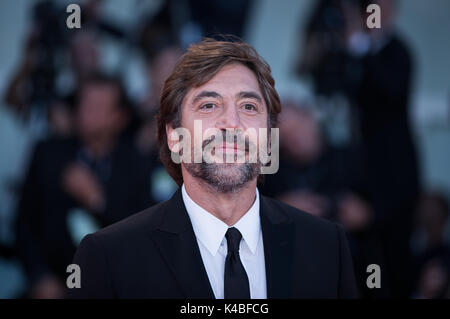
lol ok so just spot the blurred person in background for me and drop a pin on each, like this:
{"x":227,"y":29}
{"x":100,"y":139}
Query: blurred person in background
{"x":33,"y":84}
{"x":373,"y":69}
{"x":160,"y":47}
{"x":159,"y":43}
{"x":432,"y":251}
{"x":326,"y":181}
{"x":83,"y":52}
{"x":97,"y":172}
{"x":55,"y":61}
{"x":312,"y":172}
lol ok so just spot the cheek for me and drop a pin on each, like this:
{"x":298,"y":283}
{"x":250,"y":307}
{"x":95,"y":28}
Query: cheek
{"x":259,"y":119}
{"x":255,"y":122}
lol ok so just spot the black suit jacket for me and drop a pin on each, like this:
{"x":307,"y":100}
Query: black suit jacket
{"x":154,"y":254}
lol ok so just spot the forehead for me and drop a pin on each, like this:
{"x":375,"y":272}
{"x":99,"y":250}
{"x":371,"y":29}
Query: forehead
{"x":231,"y":79}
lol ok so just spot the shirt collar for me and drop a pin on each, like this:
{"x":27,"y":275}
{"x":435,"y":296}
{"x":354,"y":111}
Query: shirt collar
{"x":210,"y":230}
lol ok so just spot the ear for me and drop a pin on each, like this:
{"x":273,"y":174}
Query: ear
{"x":170,"y":142}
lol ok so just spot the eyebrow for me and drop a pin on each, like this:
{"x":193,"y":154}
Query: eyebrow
{"x":249,"y":95}
{"x":240,"y":95}
{"x":205,"y":94}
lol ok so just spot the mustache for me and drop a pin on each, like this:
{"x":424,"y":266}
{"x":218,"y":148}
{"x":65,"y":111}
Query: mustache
{"x":235,"y":138}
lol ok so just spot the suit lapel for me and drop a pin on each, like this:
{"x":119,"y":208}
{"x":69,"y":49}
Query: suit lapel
{"x":278,"y":232}
{"x":178,"y":245}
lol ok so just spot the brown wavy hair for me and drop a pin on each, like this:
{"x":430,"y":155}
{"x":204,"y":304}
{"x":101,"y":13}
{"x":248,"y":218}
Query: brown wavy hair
{"x":198,"y":65}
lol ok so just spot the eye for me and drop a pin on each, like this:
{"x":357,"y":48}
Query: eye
{"x":207,"y":107}
{"x":249,"y":107}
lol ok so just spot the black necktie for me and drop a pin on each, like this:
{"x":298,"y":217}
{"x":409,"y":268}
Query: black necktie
{"x":236,"y":280}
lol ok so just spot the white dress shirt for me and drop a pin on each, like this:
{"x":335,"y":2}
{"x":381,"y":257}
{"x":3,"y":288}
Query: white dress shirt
{"x":210,"y":233}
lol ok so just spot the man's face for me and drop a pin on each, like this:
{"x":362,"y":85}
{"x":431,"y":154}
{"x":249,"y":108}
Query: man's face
{"x":232,"y":100}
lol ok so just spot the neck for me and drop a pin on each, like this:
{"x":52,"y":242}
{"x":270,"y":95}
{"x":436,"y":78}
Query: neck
{"x":228,"y":207}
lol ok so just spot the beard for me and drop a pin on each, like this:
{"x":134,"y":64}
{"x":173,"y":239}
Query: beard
{"x":224,"y":177}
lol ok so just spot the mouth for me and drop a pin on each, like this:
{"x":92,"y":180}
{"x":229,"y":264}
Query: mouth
{"x":227,"y":147}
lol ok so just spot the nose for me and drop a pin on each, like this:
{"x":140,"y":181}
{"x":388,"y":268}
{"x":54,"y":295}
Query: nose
{"x":229,"y":118}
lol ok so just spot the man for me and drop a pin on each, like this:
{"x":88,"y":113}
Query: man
{"x":72,"y":180}
{"x":216,"y":237}
{"x":374,"y":70}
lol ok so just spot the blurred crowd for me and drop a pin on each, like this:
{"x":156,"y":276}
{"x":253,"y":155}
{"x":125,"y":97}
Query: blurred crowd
{"x":96,"y":161}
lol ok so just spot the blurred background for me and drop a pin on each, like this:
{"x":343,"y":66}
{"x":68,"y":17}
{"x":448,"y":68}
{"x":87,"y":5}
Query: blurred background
{"x":364,"y":131}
